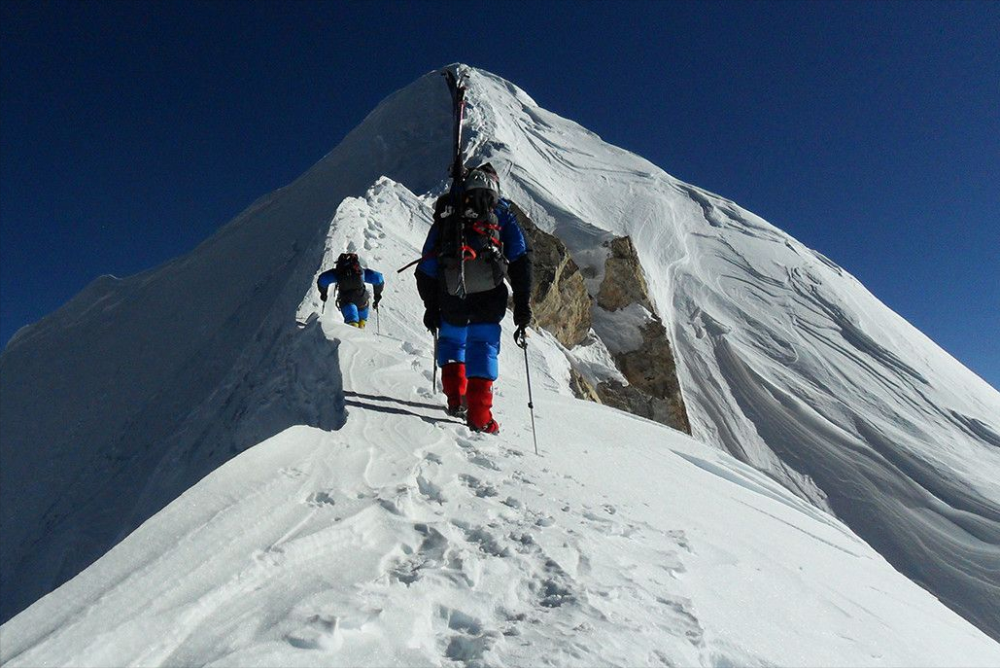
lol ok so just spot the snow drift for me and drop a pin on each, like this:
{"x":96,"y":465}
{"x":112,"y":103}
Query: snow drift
{"x":119,"y":402}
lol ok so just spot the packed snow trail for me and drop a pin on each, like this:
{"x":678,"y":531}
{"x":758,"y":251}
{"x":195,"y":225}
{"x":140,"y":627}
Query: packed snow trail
{"x":398,"y":537}
{"x":136,"y":389}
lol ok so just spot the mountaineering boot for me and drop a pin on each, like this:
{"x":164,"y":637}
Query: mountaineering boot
{"x":454,"y":384}
{"x":354,"y":324}
{"x":362,"y":323}
{"x":480,"y":402}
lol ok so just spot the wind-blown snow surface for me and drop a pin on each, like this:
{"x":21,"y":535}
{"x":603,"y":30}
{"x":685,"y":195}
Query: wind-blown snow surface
{"x":117,"y":403}
{"x":394,"y":536}
{"x":785,"y":359}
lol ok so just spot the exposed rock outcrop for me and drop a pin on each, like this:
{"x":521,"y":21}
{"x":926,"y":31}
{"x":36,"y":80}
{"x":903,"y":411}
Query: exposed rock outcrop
{"x":654,"y":391}
{"x":560,"y":301}
{"x":583,"y":389}
{"x":563,"y":307}
{"x":624,"y":282}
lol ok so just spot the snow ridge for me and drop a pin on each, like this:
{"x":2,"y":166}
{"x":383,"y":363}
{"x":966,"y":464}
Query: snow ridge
{"x":393,"y":535}
{"x":785,"y":359}
{"x":116,"y":404}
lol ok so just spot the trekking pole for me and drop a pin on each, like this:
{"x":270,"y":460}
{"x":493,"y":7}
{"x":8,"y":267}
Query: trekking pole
{"x":434,"y":362}
{"x":378,"y":323}
{"x":522,"y":342}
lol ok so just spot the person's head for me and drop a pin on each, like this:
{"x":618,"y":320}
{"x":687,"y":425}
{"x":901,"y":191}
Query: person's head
{"x":481,"y":190}
{"x":349,"y":262}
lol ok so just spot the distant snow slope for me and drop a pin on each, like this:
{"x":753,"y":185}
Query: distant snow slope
{"x":786,"y":360}
{"x":379,"y":532}
{"x":124,"y":398}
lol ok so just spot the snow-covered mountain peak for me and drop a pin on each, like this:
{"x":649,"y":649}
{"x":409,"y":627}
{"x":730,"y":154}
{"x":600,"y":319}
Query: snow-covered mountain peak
{"x":785,"y":359}
{"x":376,"y":531}
{"x":352,"y":524}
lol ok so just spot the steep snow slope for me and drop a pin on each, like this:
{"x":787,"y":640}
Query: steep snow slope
{"x":131,"y":392}
{"x":785,"y":359}
{"x":120,"y":401}
{"x":394,"y":536}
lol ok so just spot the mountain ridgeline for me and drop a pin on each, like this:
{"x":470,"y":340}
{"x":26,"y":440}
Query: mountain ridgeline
{"x":666,"y":301}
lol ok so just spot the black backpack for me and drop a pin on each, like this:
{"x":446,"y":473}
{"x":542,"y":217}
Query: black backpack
{"x":468,"y":249}
{"x":350,"y":279}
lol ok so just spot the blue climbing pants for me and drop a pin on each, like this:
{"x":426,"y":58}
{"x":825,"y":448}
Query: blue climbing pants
{"x":352,"y":313}
{"x":476,"y":344}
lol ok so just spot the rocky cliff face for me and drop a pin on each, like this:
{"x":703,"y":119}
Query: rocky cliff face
{"x":559,"y":300}
{"x":563,"y":306}
{"x":644,"y":356}
{"x":624,"y":283}
{"x":653,"y":389}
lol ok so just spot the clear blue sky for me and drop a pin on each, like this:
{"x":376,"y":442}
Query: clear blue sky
{"x":869,"y":131}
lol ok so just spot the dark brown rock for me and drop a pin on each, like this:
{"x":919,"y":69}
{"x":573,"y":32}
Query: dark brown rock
{"x":624,"y":282}
{"x":559,"y":296}
{"x":653,"y":391}
{"x":652,"y":371}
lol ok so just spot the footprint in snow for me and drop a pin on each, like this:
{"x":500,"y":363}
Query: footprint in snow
{"x":522,"y":478}
{"x":320,"y":500}
{"x":430,"y":490}
{"x":480,"y":488}
{"x":272,"y":556}
{"x":483,"y":462}
{"x":511,"y":502}
{"x":680,"y":616}
{"x":486,"y":541}
{"x":680,"y":537}
{"x":469,"y":640}
{"x":413,"y":349}
{"x":431,"y":554}
{"x":320,"y":632}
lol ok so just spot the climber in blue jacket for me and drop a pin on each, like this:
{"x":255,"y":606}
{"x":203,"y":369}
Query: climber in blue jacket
{"x":352,"y":295}
{"x":473,"y":245}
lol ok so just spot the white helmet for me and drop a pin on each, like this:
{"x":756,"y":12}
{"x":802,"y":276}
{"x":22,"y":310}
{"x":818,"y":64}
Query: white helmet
{"x":483,"y":176}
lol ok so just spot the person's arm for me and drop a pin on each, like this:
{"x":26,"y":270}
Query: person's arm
{"x":325,"y":280}
{"x":427,"y":282}
{"x":428,"y":257}
{"x":519,"y":271}
{"x":377,"y":281}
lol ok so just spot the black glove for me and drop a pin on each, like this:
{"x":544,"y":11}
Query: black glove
{"x":522,"y":315}
{"x":432,"y":319}
{"x":521,"y":337}
{"x":378,"y":298}
{"x":322,"y":295}
{"x":522,"y":318}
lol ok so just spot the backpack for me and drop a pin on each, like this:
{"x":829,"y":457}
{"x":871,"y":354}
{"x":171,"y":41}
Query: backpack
{"x":350,"y":279}
{"x":469,"y":251}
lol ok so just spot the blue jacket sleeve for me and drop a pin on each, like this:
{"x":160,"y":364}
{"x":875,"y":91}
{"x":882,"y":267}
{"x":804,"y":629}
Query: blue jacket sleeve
{"x":374,"y":277}
{"x":326,"y":279}
{"x":514,"y":245}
